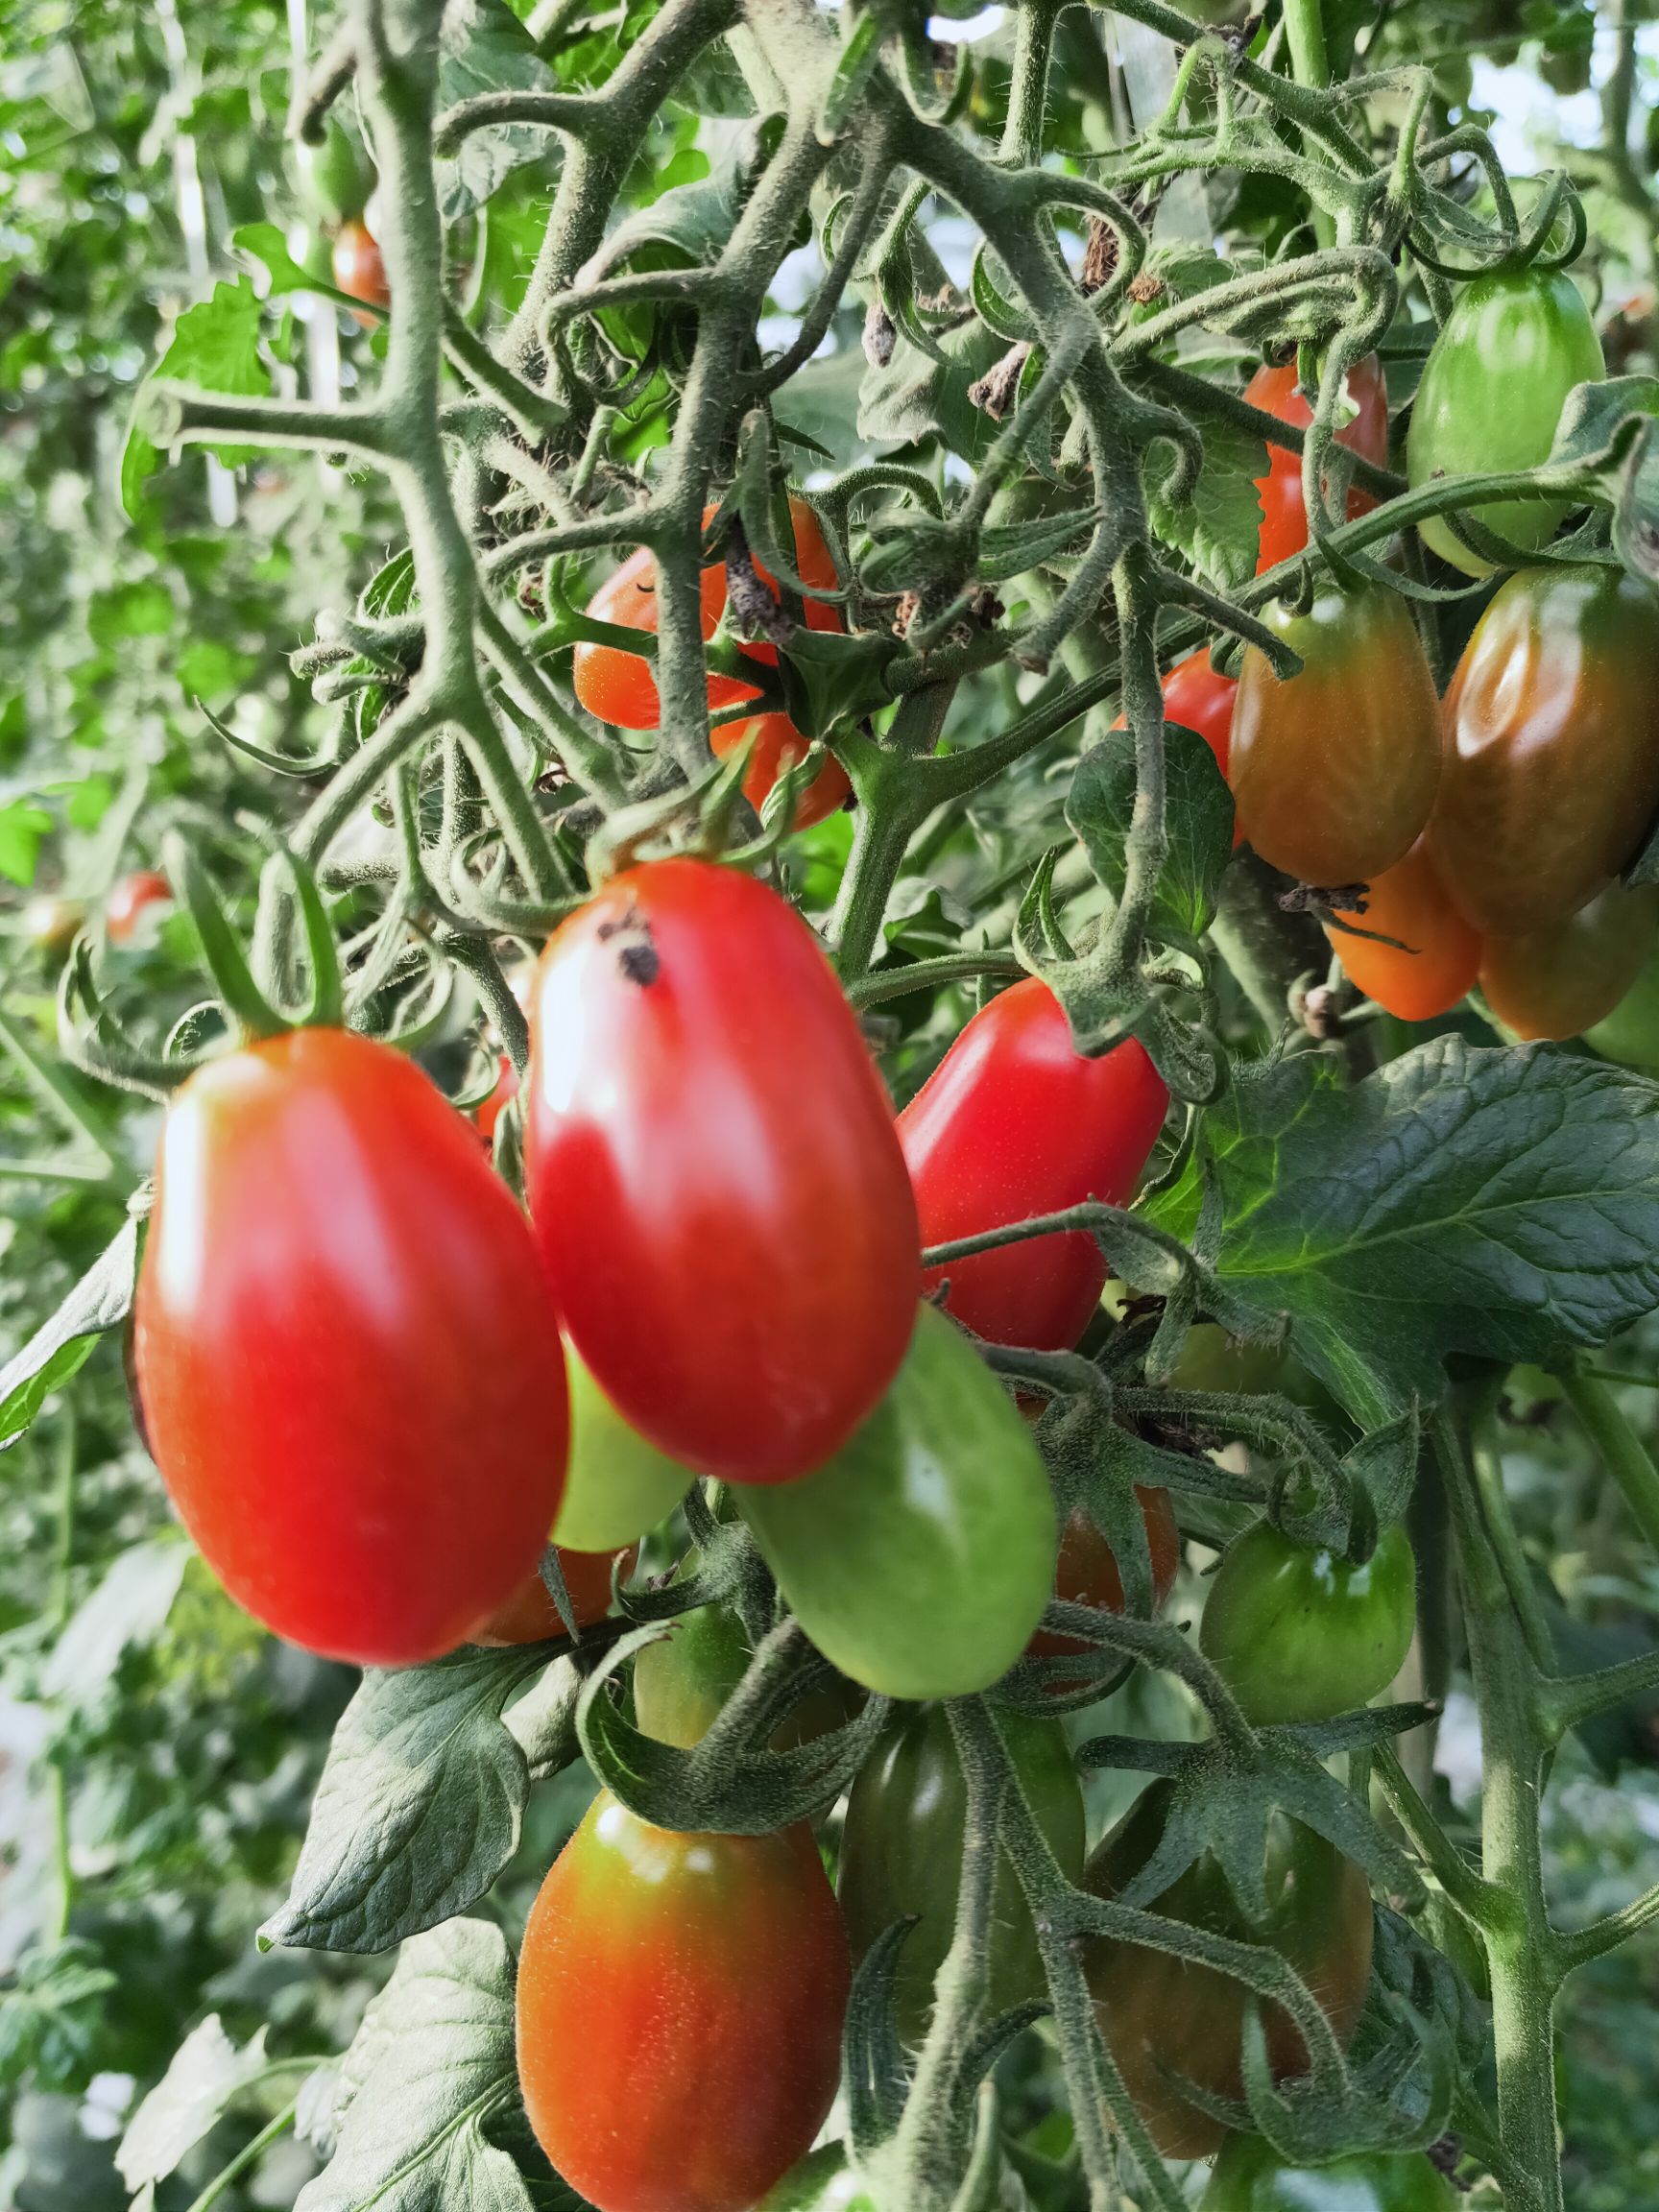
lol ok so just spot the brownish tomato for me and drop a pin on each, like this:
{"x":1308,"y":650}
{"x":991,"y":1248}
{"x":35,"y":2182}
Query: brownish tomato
{"x":1283,"y":511}
{"x":1437,"y":954}
{"x":359,"y":271}
{"x":530,"y":1615}
{"x":1562,"y":980}
{"x":1087,"y":1573}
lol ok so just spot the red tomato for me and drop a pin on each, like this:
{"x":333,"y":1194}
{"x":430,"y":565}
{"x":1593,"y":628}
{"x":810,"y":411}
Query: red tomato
{"x":530,"y":1615}
{"x":1087,"y":1573}
{"x":130,"y":899}
{"x":1283,"y":511}
{"x":1013,"y":1122}
{"x":714,"y":1178}
{"x":1199,"y":699}
{"x":358,"y":269}
{"x":779,"y":745}
{"x":1409,"y":902}
{"x":500,"y":1099}
{"x":680,"y":2008}
{"x":349,"y":1361}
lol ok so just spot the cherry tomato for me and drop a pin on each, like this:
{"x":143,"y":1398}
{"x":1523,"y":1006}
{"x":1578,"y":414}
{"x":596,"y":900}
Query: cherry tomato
{"x":333,"y":177}
{"x":680,"y":2007}
{"x":920,"y":1559}
{"x":1251,"y":2177}
{"x":1436,"y":955}
{"x":131,"y":898}
{"x":901,"y":1855}
{"x":359,"y":271}
{"x":1284,"y":510}
{"x":714,"y":1178}
{"x":1200,"y":700}
{"x":1013,"y":1122}
{"x":1562,"y":980}
{"x":1087,"y":1572}
{"x":1161,"y":2014}
{"x":1631,"y":1033}
{"x":682,"y":1681}
{"x":1298,"y":1634}
{"x":348,"y":1357}
{"x":1334,"y":770}
{"x":500,"y":1099}
{"x":1551,"y":775}
{"x":530,"y":1615}
{"x":778,"y":746}
{"x":1515,"y":344}
{"x":617,"y":1485}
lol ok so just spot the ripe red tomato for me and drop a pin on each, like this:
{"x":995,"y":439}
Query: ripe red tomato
{"x":530,"y":1615}
{"x":1561,"y":980}
{"x":1013,"y":1122}
{"x":500,"y":1099}
{"x":1087,"y":1572}
{"x":680,"y":2008}
{"x":131,"y":898}
{"x":1442,"y":954}
{"x":1283,"y":511}
{"x":358,"y":269}
{"x":1200,"y":700}
{"x":1551,"y":747}
{"x":716,"y":1181}
{"x":347,"y":1358}
{"x":1334,"y":769}
{"x":778,"y":746}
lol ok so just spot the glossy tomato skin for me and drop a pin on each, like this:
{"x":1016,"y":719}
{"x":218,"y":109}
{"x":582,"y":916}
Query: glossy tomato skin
{"x":1631,"y":1033}
{"x":1013,"y":1122}
{"x":1283,"y":511}
{"x":1196,"y":697}
{"x":1436,"y":955}
{"x":357,"y":1401}
{"x":1301,"y":1634}
{"x":530,"y":1615}
{"x":714,"y":1178}
{"x":130,"y":899}
{"x":901,"y":1855}
{"x":1251,"y":2177}
{"x":616,"y":1486}
{"x":359,"y":271}
{"x":1514,"y":345}
{"x":1334,"y":770}
{"x":1551,"y":775}
{"x":778,"y":746}
{"x":683,"y":1681}
{"x":1160,"y":2013}
{"x":1087,"y":1572}
{"x":920,"y":1559}
{"x":680,"y":2006}
{"x":1560,"y":981}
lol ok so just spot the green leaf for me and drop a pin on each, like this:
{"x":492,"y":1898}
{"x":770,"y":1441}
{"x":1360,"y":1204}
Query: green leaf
{"x":914,"y":399}
{"x":483,"y":47}
{"x":1499,"y":1203}
{"x":51,"y":2018}
{"x":130,"y":1606}
{"x":265,"y":244}
{"x":1218,"y":527}
{"x":99,"y":1301}
{"x":419,"y":1807}
{"x":22,"y":826}
{"x":1200,"y":816}
{"x":208,"y":2072}
{"x":215,"y":344}
{"x":145,"y":609}
{"x":431,"y":2063}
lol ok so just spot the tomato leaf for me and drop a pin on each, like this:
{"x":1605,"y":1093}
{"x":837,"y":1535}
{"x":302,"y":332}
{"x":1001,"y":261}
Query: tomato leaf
{"x":215,"y":344}
{"x":420,"y":1804}
{"x":1217,"y":528}
{"x":1199,"y":815}
{"x":206,"y":2073}
{"x":428,"y":2068}
{"x":483,"y":47}
{"x":22,"y":826}
{"x":914,"y":399}
{"x":1461,"y":1199}
{"x":98,"y":1302}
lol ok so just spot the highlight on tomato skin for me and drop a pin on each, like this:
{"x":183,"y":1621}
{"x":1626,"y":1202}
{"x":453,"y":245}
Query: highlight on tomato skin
{"x":359,"y":270}
{"x":1284,"y":509}
{"x":1433,"y":963}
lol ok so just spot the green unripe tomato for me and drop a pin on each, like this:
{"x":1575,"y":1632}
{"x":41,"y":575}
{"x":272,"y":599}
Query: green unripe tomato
{"x":682,"y":1681}
{"x":1211,"y":1360}
{"x":1298,"y":1634}
{"x":1631,"y":1033}
{"x":617,"y":1485}
{"x":334,"y":179}
{"x":901,"y":1855}
{"x":1251,"y":2177}
{"x":1515,"y":344}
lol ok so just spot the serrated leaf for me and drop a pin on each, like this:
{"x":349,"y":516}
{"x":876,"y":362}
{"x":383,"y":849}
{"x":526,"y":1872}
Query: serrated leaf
{"x":419,"y":1807}
{"x":483,"y":47}
{"x":914,"y":399}
{"x":207,"y":2070}
{"x":441,"y":2061}
{"x":1199,"y":814}
{"x":1218,"y":527}
{"x":98,"y":1302}
{"x":1461,"y":1199}
{"x":214,"y":345}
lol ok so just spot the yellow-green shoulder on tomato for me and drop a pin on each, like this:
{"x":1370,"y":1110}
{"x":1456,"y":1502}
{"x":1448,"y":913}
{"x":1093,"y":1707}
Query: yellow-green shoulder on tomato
{"x":617,"y":1486}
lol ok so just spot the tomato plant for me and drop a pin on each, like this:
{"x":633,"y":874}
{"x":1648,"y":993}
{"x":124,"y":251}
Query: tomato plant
{"x":715,"y":1180}
{"x":1251,"y":2177}
{"x":1630,"y":1032}
{"x":680,"y":2002}
{"x":309,"y":1349}
{"x":1199,"y":698}
{"x":530,"y":1615}
{"x":1298,"y":1633}
{"x":131,"y":898}
{"x":1016,"y":1122}
{"x":1559,"y":982}
{"x":359,"y":269}
{"x":1087,"y":1572}
{"x":1284,"y":510}
{"x":1434,"y":956}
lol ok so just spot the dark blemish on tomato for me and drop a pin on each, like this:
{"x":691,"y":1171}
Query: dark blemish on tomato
{"x":641,"y":963}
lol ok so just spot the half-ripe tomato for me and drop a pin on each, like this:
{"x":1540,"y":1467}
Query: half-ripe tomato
{"x":130,"y":899}
{"x":680,"y":2007}
{"x":1560,"y":981}
{"x":1015,"y":1122}
{"x":359,"y":271}
{"x":1160,"y":2014}
{"x":1515,"y":344}
{"x":1334,"y":769}
{"x":1551,"y":776}
{"x":920,"y":1559}
{"x":1631,"y":1033}
{"x":616,"y":1486}
{"x":1436,"y":955}
{"x":1251,"y":2177}
{"x":1298,"y":1633}
{"x":901,"y":1856}
{"x":1283,"y":511}
{"x":778,"y":745}
{"x":530,"y":1615}
{"x":715,"y":1181}
{"x":1087,"y":1573}
{"x":347,"y":1358}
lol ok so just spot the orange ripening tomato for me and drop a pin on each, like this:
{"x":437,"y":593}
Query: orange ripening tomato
{"x":359,"y":271}
{"x":1087,"y":1572}
{"x":1283,"y":511}
{"x":131,"y":900}
{"x":778,"y":746}
{"x":530,"y":1615}
{"x":1442,"y":956}
{"x":1560,"y":981}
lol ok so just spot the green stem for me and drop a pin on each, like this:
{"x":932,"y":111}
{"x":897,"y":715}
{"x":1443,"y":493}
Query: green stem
{"x":1620,"y":1449}
{"x":247,"y":2156}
